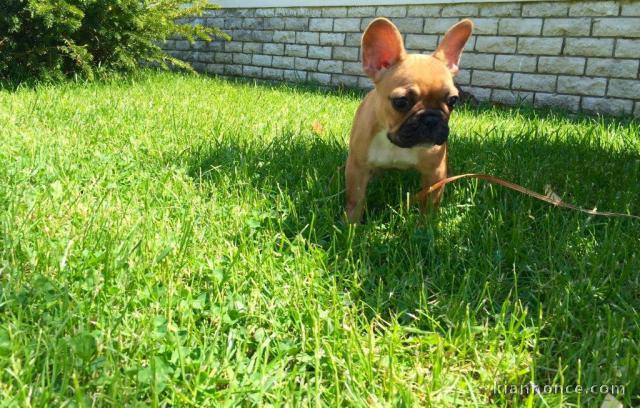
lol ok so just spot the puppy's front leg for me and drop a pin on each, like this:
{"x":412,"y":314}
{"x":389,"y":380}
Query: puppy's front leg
{"x":357,"y":178}
{"x":432,"y":201}
{"x":433,"y":171}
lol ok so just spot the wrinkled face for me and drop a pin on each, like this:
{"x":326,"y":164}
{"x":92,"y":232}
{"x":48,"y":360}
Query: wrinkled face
{"x":416,"y":98}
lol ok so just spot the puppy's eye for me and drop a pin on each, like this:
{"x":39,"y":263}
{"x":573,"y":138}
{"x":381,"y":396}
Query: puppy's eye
{"x":452,"y":101}
{"x":401,"y":104}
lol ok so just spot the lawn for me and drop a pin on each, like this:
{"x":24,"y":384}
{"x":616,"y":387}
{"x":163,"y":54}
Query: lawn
{"x":178,"y":240}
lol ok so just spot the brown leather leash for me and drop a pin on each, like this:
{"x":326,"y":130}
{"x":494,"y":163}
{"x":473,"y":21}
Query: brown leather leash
{"x":497,"y":180}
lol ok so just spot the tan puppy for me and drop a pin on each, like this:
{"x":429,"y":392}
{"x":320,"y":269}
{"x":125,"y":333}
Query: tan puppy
{"x":403,"y":122}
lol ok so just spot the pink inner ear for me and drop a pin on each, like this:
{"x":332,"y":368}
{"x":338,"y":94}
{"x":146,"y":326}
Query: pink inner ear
{"x":381,"y":47}
{"x":454,"y":51}
{"x":382,"y":61}
{"x":385,"y":59}
{"x":450,"y":49}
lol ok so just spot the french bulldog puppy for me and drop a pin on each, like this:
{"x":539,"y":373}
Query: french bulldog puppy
{"x":403,"y":122}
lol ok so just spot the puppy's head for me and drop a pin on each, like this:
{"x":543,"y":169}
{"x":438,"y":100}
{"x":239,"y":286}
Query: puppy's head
{"x":416,"y":93}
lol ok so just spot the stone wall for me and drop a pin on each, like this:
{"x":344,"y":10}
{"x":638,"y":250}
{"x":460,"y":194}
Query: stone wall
{"x":578,"y":55}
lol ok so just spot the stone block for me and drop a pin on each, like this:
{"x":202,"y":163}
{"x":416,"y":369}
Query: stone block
{"x":319,"y":52}
{"x":613,"y":68}
{"x":628,"y":48}
{"x":617,"y":27}
{"x":348,"y":81}
{"x":421,"y":42}
{"x":323,"y":79}
{"x":509,"y":97}
{"x":624,"y":88}
{"x":272,"y":73}
{"x":352,"y":39}
{"x":438,"y":25}
{"x":409,"y":25}
{"x":352,"y":68}
{"x":330,"y":66}
{"x":274,"y":23}
{"x":223,"y":58}
{"x":273,"y":49}
{"x":561,"y":65}
{"x":296,"y":23}
{"x":294,"y":75}
{"x":424,"y":11}
{"x":463,"y":77}
{"x":217,"y":69}
{"x":321,"y":24}
{"x":241,"y":58}
{"x":594,"y":8}
{"x":251,"y":71}
{"x":361,"y":11}
{"x":520,"y":26}
{"x":334,"y":12}
{"x":545,"y":9}
{"x":284,"y":36}
{"x":567,"y":27}
{"x":477,"y":61}
{"x":308,"y":11}
{"x":261,"y":12}
{"x":282,"y":62}
{"x":500,"y":9}
{"x":547,"y":100}
{"x":365,"y":83}
{"x":252,"y":47}
{"x":346,"y":53}
{"x":307,"y":38}
{"x":608,"y":106}
{"x":391,"y":11}
{"x":500,"y":45}
{"x":485,"y":26}
{"x":346,"y":25}
{"x":332,"y":38}
{"x":233,"y":70}
{"x":589,"y":47}
{"x":261,"y":60}
{"x":540,"y":46}
{"x":306,"y":64}
{"x":481,"y":94}
{"x":631,"y":8}
{"x":460,"y":10}
{"x":515,"y":63}
{"x":534,"y":82}
{"x":253,"y":23}
{"x":491,"y":79}
{"x":582,"y":85}
{"x":295,"y":50}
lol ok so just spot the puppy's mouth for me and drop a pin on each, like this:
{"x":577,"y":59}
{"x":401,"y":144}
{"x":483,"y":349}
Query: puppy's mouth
{"x":424,"y":128}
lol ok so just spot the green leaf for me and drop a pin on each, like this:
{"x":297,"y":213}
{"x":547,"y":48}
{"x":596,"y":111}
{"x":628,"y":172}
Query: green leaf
{"x":85,"y":346}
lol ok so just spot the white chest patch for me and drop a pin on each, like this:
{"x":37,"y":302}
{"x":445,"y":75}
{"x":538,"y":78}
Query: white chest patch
{"x":384,"y":154}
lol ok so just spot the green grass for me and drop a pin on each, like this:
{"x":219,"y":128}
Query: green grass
{"x":177,"y":240}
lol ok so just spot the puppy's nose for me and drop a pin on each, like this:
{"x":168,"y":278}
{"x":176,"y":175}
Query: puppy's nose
{"x":430,"y":120}
{"x":441,"y":138}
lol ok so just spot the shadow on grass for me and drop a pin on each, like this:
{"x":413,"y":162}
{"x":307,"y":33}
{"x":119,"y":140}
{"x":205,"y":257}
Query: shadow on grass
{"x":487,"y":249}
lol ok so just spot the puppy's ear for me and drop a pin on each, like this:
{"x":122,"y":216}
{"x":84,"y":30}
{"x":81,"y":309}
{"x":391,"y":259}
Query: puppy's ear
{"x":382,"y":47}
{"x":451,"y":46}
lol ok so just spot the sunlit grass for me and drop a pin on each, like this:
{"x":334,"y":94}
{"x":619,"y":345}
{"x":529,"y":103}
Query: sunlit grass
{"x":176,"y":240}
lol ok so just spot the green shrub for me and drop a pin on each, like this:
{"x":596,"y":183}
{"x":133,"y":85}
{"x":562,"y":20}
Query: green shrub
{"x":50,"y":39}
